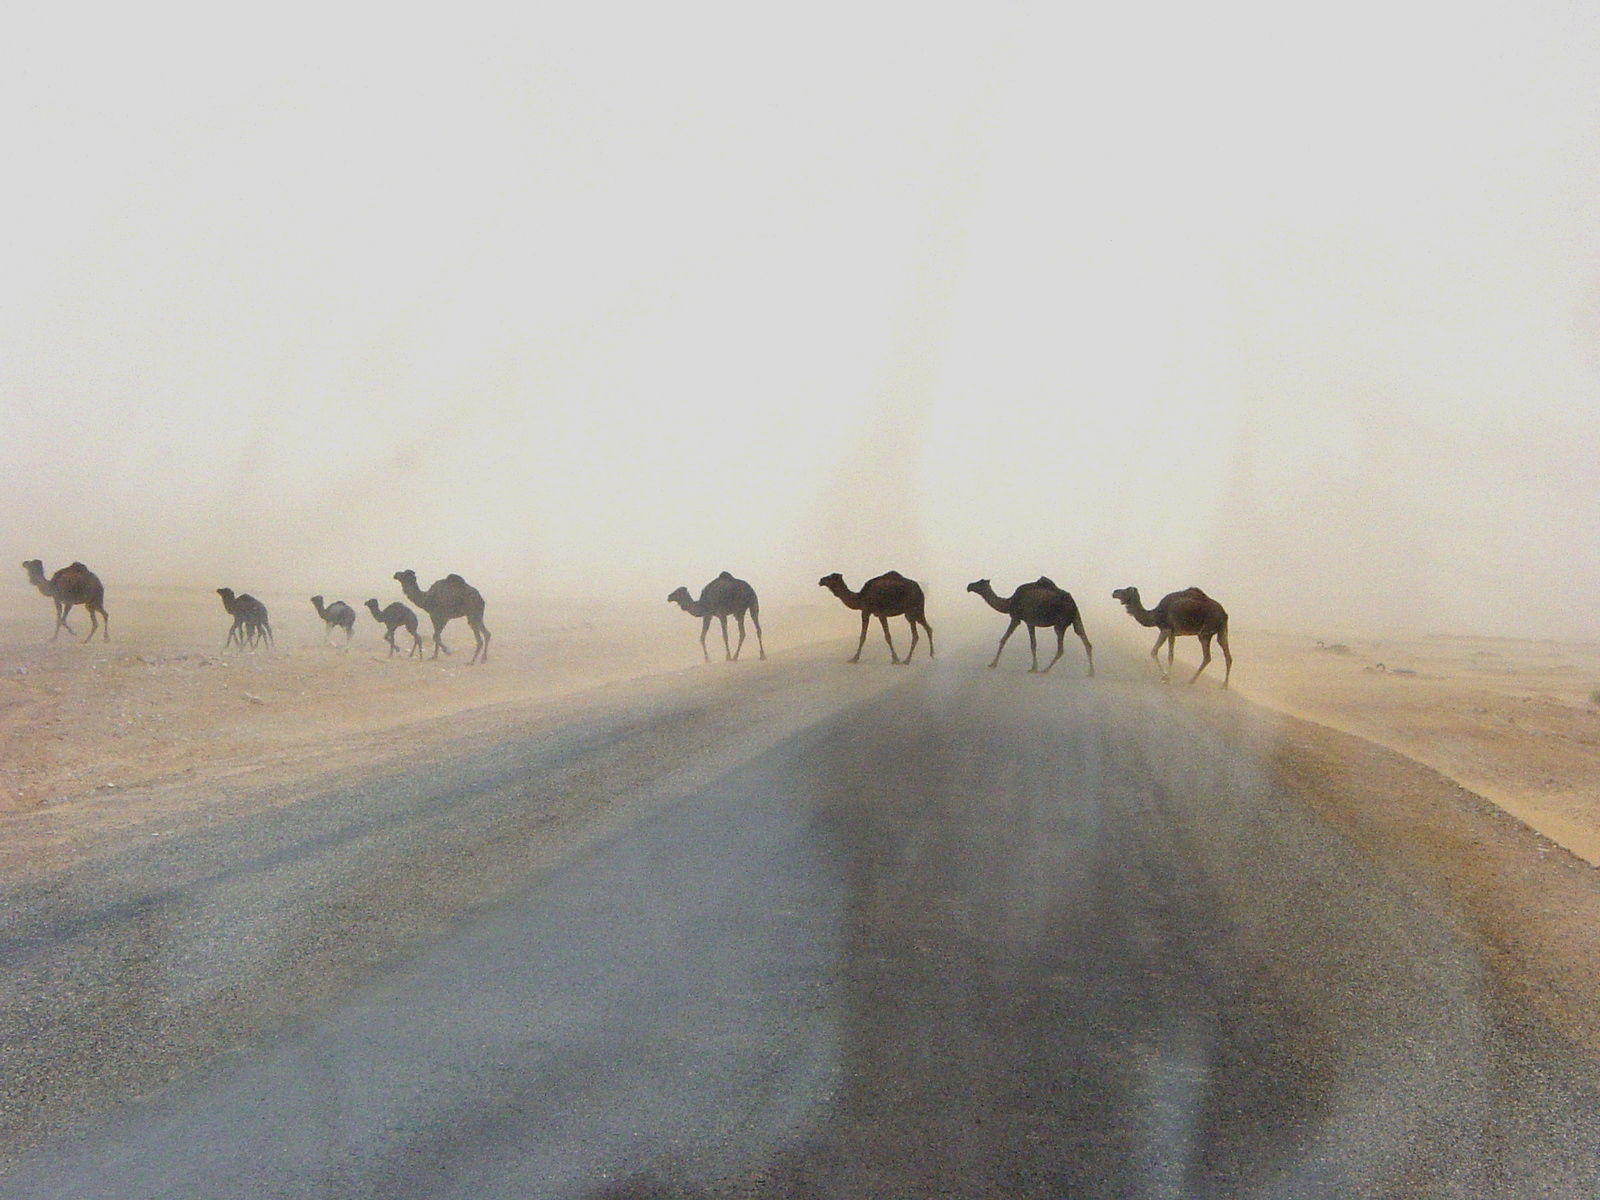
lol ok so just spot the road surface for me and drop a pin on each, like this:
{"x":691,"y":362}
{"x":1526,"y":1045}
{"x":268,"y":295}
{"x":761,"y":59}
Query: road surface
{"x":782,"y":929}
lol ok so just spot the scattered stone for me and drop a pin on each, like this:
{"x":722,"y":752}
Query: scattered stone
{"x":253,"y":699}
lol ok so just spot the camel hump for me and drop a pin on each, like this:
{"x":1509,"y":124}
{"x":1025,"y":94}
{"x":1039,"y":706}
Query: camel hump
{"x":454,"y":578}
{"x":891,"y":575}
{"x":1044,"y":581}
{"x":1196,"y":593}
{"x":77,"y":566}
{"x":726,"y":575}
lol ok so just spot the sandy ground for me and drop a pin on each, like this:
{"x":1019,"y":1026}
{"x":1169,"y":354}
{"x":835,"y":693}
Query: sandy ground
{"x":1513,"y":721}
{"x":161,"y":704}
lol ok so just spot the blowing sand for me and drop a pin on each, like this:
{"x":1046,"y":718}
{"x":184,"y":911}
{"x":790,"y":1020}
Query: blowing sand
{"x":161,"y":710}
{"x":162,"y":703}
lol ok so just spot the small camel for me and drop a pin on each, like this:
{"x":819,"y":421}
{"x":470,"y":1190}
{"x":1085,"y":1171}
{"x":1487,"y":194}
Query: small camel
{"x":337,"y":615}
{"x":722,"y":598}
{"x":72,"y":585}
{"x":888,"y":595}
{"x":1040,"y":603}
{"x":1181,"y":614}
{"x":397,"y":616}
{"x":447,"y":599}
{"x":249,"y":620}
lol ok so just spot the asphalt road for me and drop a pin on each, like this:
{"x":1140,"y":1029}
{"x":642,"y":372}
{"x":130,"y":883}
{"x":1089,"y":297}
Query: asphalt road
{"x":782,"y":929}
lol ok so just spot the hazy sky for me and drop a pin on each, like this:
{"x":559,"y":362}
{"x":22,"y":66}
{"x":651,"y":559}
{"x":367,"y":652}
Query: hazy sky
{"x":1300,"y":303}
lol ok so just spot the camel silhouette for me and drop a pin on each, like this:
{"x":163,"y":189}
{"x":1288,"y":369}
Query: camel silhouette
{"x":722,"y":598}
{"x":1181,"y":614}
{"x":249,"y":619}
{"x":1040,"y":603}
{"x":888,"y":595}
{"x":447,"y":599}
{"x":72,"y":585}
{"x":337,"y":615}
{"x":397,"y":616}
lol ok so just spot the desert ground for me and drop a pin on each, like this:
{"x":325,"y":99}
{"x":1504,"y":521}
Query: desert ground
{"x":160,"y":713}
{"x":1517,"y":722}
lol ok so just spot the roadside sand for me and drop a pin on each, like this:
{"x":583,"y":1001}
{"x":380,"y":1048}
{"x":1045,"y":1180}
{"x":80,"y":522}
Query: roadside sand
{"x":1513,"y":721}
{"x":161,"y":703}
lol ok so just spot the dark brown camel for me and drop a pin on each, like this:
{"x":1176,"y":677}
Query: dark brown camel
{"x":397,"y":616}
{"x":72,"y":585}
{"x":888,"y":595}
{"x":1181,"y":614}
{"x":1040,"y":603}
{"x":722,"y":598}
{"x":447,"y":599}
{"x":249,"y":619}
{"x":337,"y":615}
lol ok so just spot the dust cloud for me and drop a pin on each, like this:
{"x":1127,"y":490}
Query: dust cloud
{"x":1300,"y":307}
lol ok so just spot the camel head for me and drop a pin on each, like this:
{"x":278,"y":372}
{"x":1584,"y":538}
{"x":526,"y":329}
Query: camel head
{"x":316,"y":603}
{"x":835,"y":580}
{"x":680,"y":596}
{"x":373,"y":605}
{"x":227,"y":598}
{"x":403,"y":576}
{"x":1129,"y":597}
{"x":980,"y":586}
{"x":35,"y":569}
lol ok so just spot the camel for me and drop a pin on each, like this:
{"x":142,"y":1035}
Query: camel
{"x":447,"y":599}
{"x":337,"y":615}
{"x":1179,"y":614}
{"x":249,"y":619}
{"x":397,"y":616}
{"x":888,"y":595}
{"x":1040,"y":603}
{"x":72,"y":585}
{"x":722,"y":598}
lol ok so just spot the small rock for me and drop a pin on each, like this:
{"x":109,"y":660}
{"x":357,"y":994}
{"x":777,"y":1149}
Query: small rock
{"x":253,"y":699}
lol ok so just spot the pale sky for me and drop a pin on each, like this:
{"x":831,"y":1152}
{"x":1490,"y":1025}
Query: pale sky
{"x":1297,"y":303}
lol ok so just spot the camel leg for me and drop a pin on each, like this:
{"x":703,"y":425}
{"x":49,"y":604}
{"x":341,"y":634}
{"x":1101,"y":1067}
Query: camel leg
{"x":727,"y":654}
{"x":1004,"y":638}
{"x":866,"y":618}
{"x":1077,"y":626}
{"x":480,"y":634}
{"x":416,"y":644}
{"x":1061,"y":647}
{"x":912,"y":621}
{"x":1205,"y":656}
{"x":705,"y":628}
{"x":1172,"y":645}
{"x":739,"y":617}
{"x":894,"y":657}
{"x":105,"y":625}
{"x":755,"y":616}
{"x":61,"y":622}
{"x":1033,"y":649}
{"x":1155,"y":653}
{"x":438,"y":641}
{"x":94,"y":624}
{"x":1227,"y":655}
{"x":929,"y":628}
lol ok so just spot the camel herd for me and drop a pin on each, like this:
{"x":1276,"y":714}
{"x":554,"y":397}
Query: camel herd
{"x":1038,"y":605}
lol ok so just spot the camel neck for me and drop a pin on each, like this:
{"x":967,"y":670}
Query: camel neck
{"x":850,"y":599}
{"x":994,"y":601}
